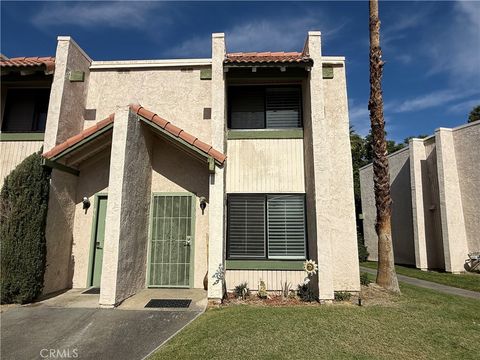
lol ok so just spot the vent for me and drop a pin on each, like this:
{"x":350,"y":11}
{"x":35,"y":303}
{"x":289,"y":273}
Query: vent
{"x":168,"y":303}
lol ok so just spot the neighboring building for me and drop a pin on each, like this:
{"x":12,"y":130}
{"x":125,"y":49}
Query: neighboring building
{"x":435,"y":186}
{"x":240,"y":162}
{"x":25,"y":90}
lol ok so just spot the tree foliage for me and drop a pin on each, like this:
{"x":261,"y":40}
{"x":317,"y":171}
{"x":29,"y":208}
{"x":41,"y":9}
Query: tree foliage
{"x":474,"y":114}
{"x":23,"y":212}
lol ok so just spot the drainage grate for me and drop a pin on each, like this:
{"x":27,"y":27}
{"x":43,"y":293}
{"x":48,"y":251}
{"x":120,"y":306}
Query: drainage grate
{"x":93,"y":290}
{"x":168,"y":303}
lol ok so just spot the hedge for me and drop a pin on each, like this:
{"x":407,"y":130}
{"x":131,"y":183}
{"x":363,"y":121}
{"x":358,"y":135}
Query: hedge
{"x":23,"y":213}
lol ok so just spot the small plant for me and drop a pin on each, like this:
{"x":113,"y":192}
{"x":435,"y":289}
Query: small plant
{"x":342,"y":295}
{"x":242,"y":291}
{"x":364,"y":279}
{"x":305,"y":293}
{"x":286,"y":288}
{"x":262,"y":290}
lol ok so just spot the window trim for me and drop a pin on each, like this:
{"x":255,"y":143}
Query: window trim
{"x":266,"y":258}
{"x":264,"y":88}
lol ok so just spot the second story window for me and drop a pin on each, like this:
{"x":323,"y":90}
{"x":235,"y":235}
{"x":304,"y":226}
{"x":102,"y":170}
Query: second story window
{"x":25,"y":110}
{"x":265,"y":107}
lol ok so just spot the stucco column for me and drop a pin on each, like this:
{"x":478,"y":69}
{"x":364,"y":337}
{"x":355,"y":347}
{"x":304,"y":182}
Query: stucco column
{"x":126,"y":226}
{"x":67,"y":99}
{"x":217,"y":181}
{"x":320,"y":154}
{"x":417,"y":156}
{"x":451,"y":210}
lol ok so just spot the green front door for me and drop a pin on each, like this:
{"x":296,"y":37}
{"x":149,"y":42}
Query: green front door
{"x":171,"y":241}
{"x":98,"y":240}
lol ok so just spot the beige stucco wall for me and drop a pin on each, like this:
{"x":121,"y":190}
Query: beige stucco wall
{"x":265,"y":165}
{"x":67,"y":99}
{"x":445,"y":192}
{"x":93,"y":179}
{"x":13,"y":153}
{"x":126,"y":226}
{"x":342,"y":224}
{"x":402,"y":217}
{"x":216,"y":253}
{"x":175,"y":171}
{"x":59,"y":232}
{"x":467,"y":140}
{"x":176,"y":94}
{"x":274,"y":279}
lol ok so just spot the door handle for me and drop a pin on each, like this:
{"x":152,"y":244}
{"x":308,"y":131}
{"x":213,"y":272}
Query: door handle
{"x":98,"y":245}
{"x":187,"y":242}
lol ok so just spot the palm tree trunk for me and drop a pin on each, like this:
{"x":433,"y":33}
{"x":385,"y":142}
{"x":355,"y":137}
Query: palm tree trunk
{"x":386,"y":276}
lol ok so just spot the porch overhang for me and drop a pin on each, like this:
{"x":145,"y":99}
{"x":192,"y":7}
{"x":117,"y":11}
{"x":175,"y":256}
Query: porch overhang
{"x":180,"y":138}
{"x":91,"y":141}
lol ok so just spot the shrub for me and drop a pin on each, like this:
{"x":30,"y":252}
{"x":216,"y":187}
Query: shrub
{"x":23,"y":212}
{"x":364,"y":279}
{"x":362,"y":249}
{"x":342,"y":295}
{"x":305,"y":293}
{"x":242,"y":291}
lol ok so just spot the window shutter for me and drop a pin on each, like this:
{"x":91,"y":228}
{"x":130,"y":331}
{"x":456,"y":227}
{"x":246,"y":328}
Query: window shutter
{"x":286,"y":227}
{"x":283,"y":107}
{"x":246,"y":224}
{"x":247,"y":108}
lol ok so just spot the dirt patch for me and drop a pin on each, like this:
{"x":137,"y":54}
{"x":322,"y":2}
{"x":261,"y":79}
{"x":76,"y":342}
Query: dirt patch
{"x":375,"y":295}
{"x":371,"y":295}
{"x":272,"y":300}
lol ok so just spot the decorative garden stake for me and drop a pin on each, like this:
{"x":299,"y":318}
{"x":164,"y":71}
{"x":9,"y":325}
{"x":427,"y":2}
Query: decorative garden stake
{"x":310,"y":267}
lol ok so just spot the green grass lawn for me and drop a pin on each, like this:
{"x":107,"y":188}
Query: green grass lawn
{"x":463,"y":281}
{"x":419,"y":324}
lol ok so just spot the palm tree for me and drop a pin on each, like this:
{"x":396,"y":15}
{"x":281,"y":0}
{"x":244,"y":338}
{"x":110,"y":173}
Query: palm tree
{"x":386,"y":276}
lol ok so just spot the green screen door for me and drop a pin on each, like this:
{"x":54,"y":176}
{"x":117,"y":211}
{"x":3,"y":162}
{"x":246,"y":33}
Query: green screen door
{"x":101,"y":213}
{"x":171,"y":241}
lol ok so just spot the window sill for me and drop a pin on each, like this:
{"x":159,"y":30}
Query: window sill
{"x":264,"y":264}
{"x":33,"y":136}
{"x":265,"y":134}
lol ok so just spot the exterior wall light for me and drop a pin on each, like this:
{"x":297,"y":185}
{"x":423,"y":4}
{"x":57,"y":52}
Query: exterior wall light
{"x":203,"y":204}
{"x":86,"y":204}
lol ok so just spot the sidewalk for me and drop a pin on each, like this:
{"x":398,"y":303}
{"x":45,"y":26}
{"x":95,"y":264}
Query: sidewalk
{"x":430,"y":285}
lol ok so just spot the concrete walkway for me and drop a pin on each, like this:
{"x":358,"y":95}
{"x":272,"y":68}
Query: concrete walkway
{"x":430,"y":285}
{"x":72,"y":325}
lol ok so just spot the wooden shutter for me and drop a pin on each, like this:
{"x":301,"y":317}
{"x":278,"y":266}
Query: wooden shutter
{"x":286,"y":226}
{"x":246,"y":226}
{"x":283,"y":107}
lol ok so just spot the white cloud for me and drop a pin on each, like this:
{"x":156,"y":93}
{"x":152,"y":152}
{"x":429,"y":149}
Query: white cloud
{"x":464,"y":107}
{"x":455,"y":49}
{"x":359,"y":117}
{"x":430,"y":100}
{"x":118,"y":14}
{"x":287,"y":34}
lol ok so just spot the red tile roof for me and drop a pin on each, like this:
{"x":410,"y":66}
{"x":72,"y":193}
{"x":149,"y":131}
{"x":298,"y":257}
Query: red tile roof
{"x":150,"y":116}
{"x":267,"y":57}
{"x":178,"y":133}
{"x":79,"y":137}
{"x":48,"y":63}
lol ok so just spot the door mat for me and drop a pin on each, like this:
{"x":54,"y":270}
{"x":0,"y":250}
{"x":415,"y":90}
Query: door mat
{"x":93,"y":290}
{"x":168,"y":303}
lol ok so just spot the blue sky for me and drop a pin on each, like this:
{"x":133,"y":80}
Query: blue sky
{"x":431,"y":49}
